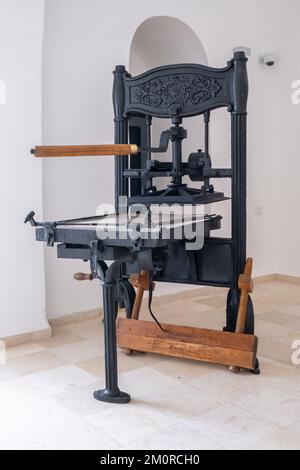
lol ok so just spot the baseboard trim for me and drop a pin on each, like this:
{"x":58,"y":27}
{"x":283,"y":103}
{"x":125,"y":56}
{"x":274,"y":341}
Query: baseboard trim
{"x":30,"y":337}
{"x":277,"y":277}
{"x":287,"y":278}
{"x":264,"y":279}
{"x":76,"y":317}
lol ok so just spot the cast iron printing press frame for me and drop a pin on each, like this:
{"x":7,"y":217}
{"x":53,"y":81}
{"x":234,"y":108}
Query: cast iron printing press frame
{"x":170,"y":92}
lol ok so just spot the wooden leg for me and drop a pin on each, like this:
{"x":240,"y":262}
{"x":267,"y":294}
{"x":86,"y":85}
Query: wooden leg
{"x":141,"y":282}
{"x":246,"y":287}
{"x":138,"y":303}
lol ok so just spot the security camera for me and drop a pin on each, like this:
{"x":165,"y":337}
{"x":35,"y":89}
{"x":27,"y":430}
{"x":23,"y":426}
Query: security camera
{"x":269,"y":60}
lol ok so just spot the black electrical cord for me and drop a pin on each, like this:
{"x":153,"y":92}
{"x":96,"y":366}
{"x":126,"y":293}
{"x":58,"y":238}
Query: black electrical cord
{"x":150,"y":298}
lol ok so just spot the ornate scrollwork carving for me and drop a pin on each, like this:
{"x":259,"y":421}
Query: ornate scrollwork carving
{"x":188,"y":89}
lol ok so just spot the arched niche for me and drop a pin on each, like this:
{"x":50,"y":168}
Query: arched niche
{"x":164,"y":40}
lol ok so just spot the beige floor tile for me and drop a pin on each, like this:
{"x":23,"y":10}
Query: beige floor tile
{"x":17,"y":391}
{"x":71,"y":436}
{"x":211,"y":319}
{"x":272,"y":405}
{"x":291,"y":336}
{"x":131,"y":422}
{"x":78,"y":435}
{"x":285,"y":378}
{"x":284,"y":439}
{"x":182,"y":370}
{"x":94,"y":366}
{"x":145,"y":380}
{"x":213,"y":302}
{"x":261,"y":296}
{"x":7,"y":373}
{"x":265,"y":329}
{"x":80,"y":399}
{"x":280,"y":304}
{"x":282,"y":298}
{"x":278,"y":318}
{"x":230,"y":387}
{"x":23,"y":349}
{"x":61,"y":379}
{"x":292,"y":310}
{"x":182,"y":401}
{"x":47,"y":424}
{"x":273,"y":371}
{"x":276,"y":350}
{"x":176,"y":403}
{"x":231,"y":426}
{"x":18,"y":418}
{"x":136,"y":360}
{"x":60,"y":337}
{"x":82,"y":350}
{"x":281,"y":288}
{"x":234,"y":386}
{"x":178,"y":437}
{"x":35,"y":362}
{"x":261,"y":307}
{"x":126,"y":363}
{"x":89,"y":329}
{"x":199,"y":306}
{"x":289,"y":385}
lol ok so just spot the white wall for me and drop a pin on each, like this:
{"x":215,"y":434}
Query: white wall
{"x":84,"y":40}
{"x":22,"y":297}
{"x":153,"y":45}
{"x":288,"y":164}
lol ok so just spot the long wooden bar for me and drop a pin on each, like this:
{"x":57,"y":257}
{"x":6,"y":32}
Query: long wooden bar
{"x":84,"y":150}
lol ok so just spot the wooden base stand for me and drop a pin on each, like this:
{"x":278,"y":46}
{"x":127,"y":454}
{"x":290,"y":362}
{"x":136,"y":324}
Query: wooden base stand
{"x":212,"y":346}
{"x":236,"y":350}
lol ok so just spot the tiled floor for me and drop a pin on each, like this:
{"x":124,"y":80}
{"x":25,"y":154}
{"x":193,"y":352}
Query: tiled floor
{"x":46,"y":389}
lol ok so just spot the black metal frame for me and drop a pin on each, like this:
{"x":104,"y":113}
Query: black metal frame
{"x":178,"y":92}
{"x":170,"y":92}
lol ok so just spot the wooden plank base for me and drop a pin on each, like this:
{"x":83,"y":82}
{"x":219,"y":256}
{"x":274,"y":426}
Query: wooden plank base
{"x":212,"y":346}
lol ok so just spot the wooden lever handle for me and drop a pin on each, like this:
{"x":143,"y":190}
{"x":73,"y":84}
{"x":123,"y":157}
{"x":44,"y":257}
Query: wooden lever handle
{"x":246,"y":287}
{"x":83,"y":277}
{"x":248,"y":267}
{"x":84,"y":150}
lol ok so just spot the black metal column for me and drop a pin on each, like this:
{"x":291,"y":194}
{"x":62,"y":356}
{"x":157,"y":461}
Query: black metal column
{"x":239,"y":194}
{"x":239,"y":189}
{"x":121,"y":133}
{"x":121,"y":137}
{"x":111,"y":393}
{"x":239,"y":163}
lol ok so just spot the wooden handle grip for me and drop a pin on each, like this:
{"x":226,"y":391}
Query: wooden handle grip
{"x":84,"y":150}
{"x":137,"y":304}
{"x":249,"y":267}
{"x":83,"y":277}
{"x":246,"y":286}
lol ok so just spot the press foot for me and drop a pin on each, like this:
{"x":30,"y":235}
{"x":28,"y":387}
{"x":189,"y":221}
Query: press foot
{"x":109,"y":397}
{"x":256,"y":370}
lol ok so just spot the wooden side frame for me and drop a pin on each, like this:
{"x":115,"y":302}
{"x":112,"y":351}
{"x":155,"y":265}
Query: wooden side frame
{"x":236,"y":350}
